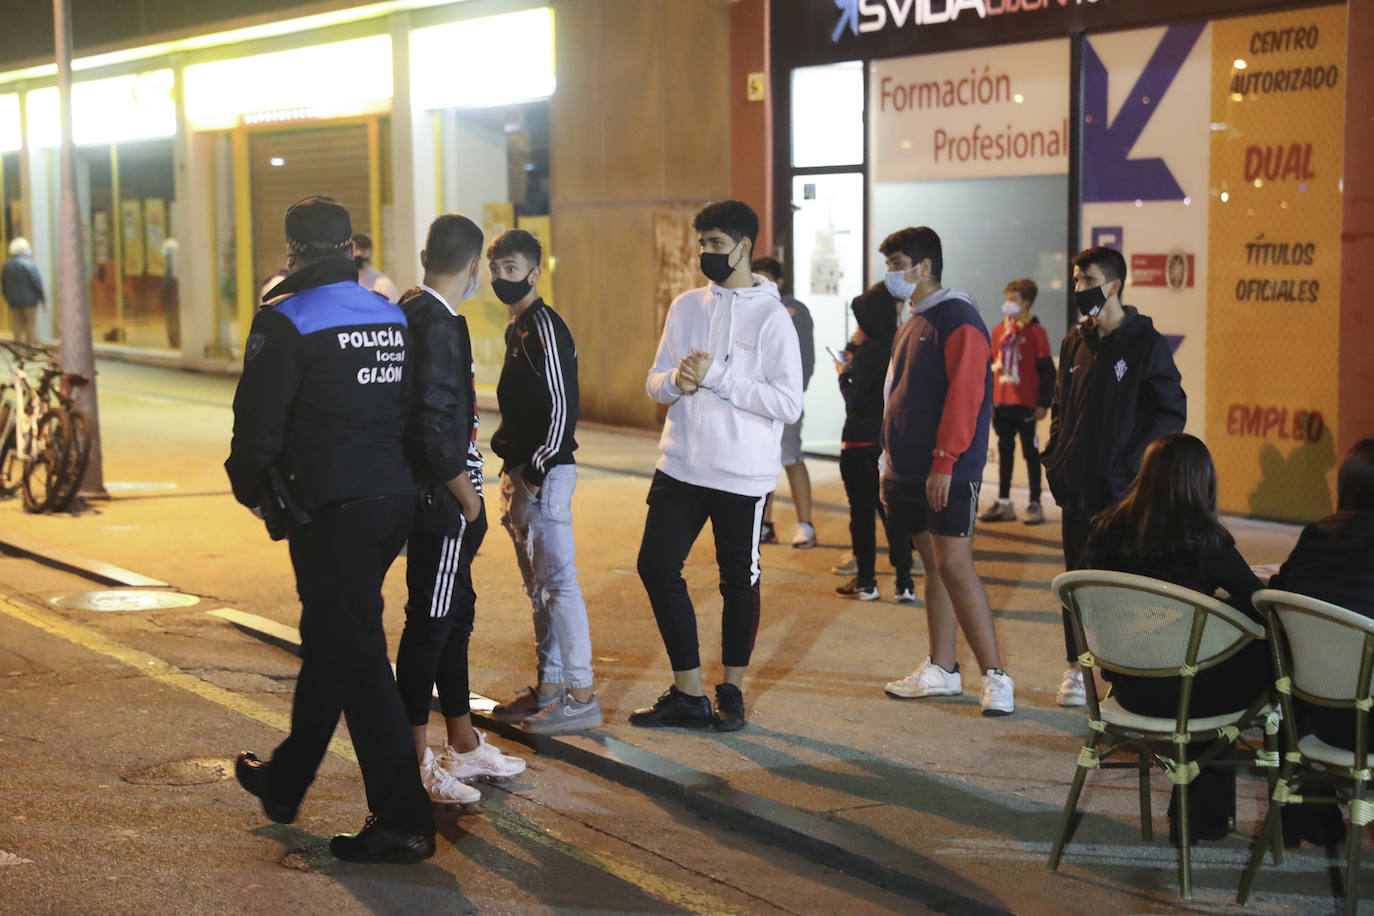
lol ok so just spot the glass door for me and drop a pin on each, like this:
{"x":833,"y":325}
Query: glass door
{"x":827,"y":273}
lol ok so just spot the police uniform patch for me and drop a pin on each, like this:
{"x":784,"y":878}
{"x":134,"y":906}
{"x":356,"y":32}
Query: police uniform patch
{"x":253,"y":346}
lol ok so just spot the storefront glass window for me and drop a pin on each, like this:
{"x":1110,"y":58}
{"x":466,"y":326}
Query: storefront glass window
{"x":974,"y":144}
{"x":494,"y":167}
{"x":1228,"y":210}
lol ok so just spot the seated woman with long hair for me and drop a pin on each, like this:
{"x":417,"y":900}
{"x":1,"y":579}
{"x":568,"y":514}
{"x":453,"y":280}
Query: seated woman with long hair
{"x":1167,"y":528}
{"x":1333,"y":561}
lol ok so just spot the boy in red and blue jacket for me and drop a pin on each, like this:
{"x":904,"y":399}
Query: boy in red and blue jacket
{"x":935,"y":443}
{"x":1022,"y":389}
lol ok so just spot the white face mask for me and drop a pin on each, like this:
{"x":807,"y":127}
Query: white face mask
{"x":1010,"y":309}
{"x":898,"y":285}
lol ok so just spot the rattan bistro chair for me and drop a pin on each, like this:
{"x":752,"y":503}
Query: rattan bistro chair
{"x":1141,"y":626}
{"x":1324,"y":655}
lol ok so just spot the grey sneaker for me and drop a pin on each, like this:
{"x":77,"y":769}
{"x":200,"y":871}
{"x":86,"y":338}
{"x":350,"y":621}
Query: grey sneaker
{"x":567,"y":715}
{"x":1034,"y":515}
{"x":526,"y":703}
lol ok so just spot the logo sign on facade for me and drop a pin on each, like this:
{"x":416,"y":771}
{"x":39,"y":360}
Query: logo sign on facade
{"x":1174,"y":270}
{"x":971,"y":114}
{"x":861,"y":17}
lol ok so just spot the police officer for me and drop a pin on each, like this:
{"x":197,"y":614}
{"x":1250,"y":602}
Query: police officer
{"x":322,"y":400}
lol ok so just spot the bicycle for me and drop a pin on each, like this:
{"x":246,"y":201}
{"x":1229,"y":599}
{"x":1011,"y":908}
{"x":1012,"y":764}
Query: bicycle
{"x":44,"y":437}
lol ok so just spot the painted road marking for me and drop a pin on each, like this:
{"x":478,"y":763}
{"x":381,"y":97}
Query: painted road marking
{"x":666,"y":889}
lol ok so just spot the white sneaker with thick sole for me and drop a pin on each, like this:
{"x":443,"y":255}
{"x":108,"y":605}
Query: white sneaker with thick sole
{"x":805,"y":536}
{"x":929,"y":680}
{"x":1071,"y":689}
{"x":441,"y":785}
{"x":999,"y":693}
{"x":848,"y":566}
{"x":906,"y":596}
{"x":483,"y":762}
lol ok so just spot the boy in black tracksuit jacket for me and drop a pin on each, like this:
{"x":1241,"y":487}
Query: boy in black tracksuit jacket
{"x":451,"y":520}
{"x":540,"y":368}
{"x":1114,"y":394}
{"x":861,"y":385}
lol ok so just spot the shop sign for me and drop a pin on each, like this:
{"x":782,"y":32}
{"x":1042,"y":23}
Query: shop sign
{"x":971,"y":114}
{"x":1277,"y":158}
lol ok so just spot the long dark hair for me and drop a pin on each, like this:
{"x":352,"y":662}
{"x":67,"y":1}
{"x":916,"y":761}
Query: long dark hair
{"x":1355,"y":480}
{"x":1171,"y":507}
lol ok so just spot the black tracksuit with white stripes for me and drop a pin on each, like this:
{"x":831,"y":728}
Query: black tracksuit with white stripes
{"x":540,"y":375}
{"x":442,"y":443}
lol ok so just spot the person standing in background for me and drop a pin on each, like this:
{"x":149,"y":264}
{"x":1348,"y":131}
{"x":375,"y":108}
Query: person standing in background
{"x":798,"y":478}
{"x":1022,"y":389}
{"x":1117,"y":390}
{"x":23,"y":290}
{"x":368,"y":275}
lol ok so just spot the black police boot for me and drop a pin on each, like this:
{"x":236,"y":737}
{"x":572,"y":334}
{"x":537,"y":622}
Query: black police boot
{"x":729,"y":708}
{"x":254,"y":776}
{"x":674,"y":708}
{"x":375,"y":844}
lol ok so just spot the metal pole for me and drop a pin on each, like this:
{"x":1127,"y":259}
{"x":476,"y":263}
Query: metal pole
{"x":73,"y":295}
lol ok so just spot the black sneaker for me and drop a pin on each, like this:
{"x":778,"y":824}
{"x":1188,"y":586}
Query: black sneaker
{"x":674,"y":708}
{"x":252,"y":774}
{"x":767,"y":535}
{"x":376,"y":844}
{"x":864,"y":591}
{"x":729,"y":708}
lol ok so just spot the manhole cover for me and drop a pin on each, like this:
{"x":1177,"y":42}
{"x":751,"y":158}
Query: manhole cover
{"x":137,"y":486}
{"x":195,"y":771}
{"x":125,"y":599}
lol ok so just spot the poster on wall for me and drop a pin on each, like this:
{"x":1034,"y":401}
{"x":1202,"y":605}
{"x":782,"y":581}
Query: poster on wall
{"x":155,"y":232}
{"x":1145,"y":183}
{"x":1277,"y":157}
{"x":100,"y":236}
{"x":131,"y":236}
{"x":971,"y":114}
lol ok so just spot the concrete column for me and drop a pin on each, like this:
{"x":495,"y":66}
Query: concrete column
{"x":412,"y":173}
{"x":1356,"y":380}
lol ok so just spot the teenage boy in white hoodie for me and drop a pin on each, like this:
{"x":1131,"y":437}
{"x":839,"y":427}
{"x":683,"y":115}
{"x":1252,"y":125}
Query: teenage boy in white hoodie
{"x":729,"y":367}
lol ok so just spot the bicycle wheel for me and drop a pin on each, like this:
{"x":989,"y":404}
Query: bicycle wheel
{"x":43,"y":473}
{"x":11,"y":466}
{"x":78,"y":457}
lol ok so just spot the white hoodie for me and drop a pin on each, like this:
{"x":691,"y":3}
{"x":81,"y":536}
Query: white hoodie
{"x":728,"y":434}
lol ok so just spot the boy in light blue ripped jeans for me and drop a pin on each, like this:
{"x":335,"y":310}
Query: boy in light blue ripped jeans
{"x":538,"y":398}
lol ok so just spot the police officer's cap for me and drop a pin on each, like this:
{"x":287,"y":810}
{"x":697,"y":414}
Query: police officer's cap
{"x":318,"y":226}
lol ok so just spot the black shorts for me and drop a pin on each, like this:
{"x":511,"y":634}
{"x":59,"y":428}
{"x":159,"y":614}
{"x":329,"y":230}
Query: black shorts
{"x":907,"y":503}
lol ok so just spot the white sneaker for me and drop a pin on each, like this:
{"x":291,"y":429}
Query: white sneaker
{"x":1071,"y":689}
{"x":848,"y":566}
{"x":906,"y":596}
{"x":929,"y":680}
{"x":484,"y":761}
{"x":999,"y":693}
{"x":805,"y":537}
{"x":442,"y":787}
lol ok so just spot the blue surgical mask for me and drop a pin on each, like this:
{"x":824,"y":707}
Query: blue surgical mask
{"x":898,"y":285}
{"x":472,"y":288}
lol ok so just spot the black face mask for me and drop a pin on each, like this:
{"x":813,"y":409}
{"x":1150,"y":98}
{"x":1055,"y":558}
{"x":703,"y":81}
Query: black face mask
{"x":359,"y":261}
{"x":1089,"y":301}
{"x":716,"y":265}
{"x":512,"y":291}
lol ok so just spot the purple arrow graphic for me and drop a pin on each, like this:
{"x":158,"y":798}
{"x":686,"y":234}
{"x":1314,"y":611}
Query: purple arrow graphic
{"x":1109,"y":174}
{"x":1174,"y":341}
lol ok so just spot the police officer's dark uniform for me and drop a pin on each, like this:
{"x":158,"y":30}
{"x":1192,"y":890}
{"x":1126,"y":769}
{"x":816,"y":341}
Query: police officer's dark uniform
{"x":323,"y":394}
